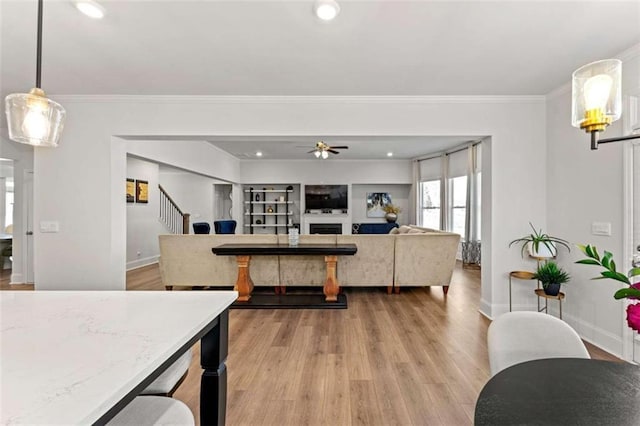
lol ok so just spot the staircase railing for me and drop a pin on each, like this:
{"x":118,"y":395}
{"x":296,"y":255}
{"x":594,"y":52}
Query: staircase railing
{"x":174,"y":219}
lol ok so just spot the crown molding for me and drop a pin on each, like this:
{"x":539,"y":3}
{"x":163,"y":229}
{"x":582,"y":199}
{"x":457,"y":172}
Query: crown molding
{"x":256,"y":100}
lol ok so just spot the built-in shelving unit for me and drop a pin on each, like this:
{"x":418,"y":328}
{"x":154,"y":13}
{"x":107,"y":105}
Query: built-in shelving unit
{"x":270,"y":209}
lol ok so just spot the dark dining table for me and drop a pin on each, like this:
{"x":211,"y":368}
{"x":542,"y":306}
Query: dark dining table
{"x":562,"y":391}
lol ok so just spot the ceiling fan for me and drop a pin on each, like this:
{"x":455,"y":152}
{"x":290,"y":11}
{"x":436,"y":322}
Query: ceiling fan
{"x":323,"y":150}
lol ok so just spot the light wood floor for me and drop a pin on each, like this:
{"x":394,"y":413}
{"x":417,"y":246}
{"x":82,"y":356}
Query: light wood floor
{"x":416,"y":358}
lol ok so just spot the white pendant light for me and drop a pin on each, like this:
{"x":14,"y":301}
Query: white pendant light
{"x":325,"y":155}
{"x":32,"y":118}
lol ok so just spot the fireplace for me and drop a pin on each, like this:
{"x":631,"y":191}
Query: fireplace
{"x":325,"y":228}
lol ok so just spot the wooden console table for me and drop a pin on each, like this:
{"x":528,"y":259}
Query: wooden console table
{"x":243,"y":253}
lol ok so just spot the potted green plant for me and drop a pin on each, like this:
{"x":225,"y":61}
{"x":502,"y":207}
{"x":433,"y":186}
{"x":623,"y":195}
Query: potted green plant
{"x":551,"y":276}
{"x":539,"y":244}
{"x":632,"y":291}
{"x":391,"y":212}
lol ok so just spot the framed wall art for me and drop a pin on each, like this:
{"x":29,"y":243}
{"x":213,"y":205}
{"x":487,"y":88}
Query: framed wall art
{"x":131,"y":190}
{"x":142,"y":191}
{"x":376,"y":202}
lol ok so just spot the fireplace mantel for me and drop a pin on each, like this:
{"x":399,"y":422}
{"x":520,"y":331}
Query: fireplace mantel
{"x":343,"y":219}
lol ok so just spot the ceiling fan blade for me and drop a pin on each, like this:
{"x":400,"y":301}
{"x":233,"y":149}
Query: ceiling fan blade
{"x":339,"y":147}
{"x":333,"y":152}
{"x":313,"y":150}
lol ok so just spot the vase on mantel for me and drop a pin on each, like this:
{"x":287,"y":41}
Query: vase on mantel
{"x":391,"y":217}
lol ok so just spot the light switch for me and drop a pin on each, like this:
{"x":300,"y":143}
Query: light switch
{"x":49,"y":226}
{"x":601,"y":228}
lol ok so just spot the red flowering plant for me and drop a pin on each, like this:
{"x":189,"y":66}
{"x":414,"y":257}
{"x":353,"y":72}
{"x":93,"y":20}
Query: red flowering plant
{"x":632,"y":291}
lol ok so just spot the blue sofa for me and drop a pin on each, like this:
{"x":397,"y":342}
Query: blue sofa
{"x":373,"y":228}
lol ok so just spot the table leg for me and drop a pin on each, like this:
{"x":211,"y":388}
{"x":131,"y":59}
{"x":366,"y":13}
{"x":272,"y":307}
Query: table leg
{"x":331,"y":286}
{"x":244,"y":284}
{"x":213,"y":383}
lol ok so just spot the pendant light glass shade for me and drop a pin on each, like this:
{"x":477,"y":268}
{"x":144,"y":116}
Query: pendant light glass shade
{"x":31,"y":117}
{"x":596,"y":95}
{"x":34,"y":119}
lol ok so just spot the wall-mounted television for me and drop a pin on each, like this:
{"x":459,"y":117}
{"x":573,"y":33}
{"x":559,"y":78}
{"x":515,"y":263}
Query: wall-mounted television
{"x":325,"y":197}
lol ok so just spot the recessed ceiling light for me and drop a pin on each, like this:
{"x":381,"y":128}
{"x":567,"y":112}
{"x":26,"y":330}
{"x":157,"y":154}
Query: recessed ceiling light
{"x":326,"y":9}
{"x":90,"y":8}
{"x":389,"y":154}
{"x":259,"y":154}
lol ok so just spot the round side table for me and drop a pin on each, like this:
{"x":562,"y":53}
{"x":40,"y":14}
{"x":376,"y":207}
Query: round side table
{"x":540,"y":293}
{"x":521,"y":275}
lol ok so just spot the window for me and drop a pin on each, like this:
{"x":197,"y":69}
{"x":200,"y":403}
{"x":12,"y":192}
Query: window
{"x":458,"y":205}
{"x":430,"y":203}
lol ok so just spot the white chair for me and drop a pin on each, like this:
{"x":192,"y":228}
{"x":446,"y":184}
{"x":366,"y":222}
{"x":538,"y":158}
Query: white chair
{"x":167,"y":383}
{"x":154,"y":410}
{"x":521,"y":336}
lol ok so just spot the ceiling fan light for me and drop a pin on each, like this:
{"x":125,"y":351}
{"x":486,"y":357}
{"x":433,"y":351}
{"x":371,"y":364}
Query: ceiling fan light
{"x":326,"y":10}
{"x":33,"y":119}
{"x":325,"y":155}
{"x":317,"y":154}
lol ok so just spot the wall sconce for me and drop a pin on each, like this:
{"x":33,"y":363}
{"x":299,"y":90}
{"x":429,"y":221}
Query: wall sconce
{"x":596,"y":99}
{"x":32,"y":118}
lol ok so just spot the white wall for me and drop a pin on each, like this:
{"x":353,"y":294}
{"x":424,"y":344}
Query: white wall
{"x":93,"y":227}
{"x":399,"y":197}
{"x":392,"y":176}
{"x":583,"y":187}
{"x":143,"y":226}
{"x":318,"y":172}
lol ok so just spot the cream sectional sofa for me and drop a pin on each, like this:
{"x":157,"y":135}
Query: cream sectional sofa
{"x":411,"y":257}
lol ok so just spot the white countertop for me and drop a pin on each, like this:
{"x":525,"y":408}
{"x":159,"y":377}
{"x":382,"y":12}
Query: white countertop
{"x":67,"y":357}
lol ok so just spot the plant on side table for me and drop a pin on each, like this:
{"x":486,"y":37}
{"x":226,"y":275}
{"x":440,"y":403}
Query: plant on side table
{"x":539,"y":244}
{"x":551,"y":276}
{"x":632,"y":291}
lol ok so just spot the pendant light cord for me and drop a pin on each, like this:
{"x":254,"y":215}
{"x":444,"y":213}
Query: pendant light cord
{"x":39,"y":47}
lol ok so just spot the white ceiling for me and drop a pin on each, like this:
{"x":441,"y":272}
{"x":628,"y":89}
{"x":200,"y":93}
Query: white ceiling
{"x":157,"y":47}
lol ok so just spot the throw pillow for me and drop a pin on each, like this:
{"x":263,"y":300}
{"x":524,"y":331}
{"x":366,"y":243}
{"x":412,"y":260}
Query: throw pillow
{"x":404,"y":229}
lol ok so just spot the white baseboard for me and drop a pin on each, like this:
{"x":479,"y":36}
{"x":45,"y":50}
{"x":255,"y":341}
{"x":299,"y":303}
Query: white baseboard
{"x":486,"y":309}
{"x":16,"y":278}
{"x":139,"y":263}
{"x":605,"y":340}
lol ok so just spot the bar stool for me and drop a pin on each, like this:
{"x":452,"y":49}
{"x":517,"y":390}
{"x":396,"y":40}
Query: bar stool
{"x":521,"y":275}
{"x":153,"y":410}
{"x":167,"y":383}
